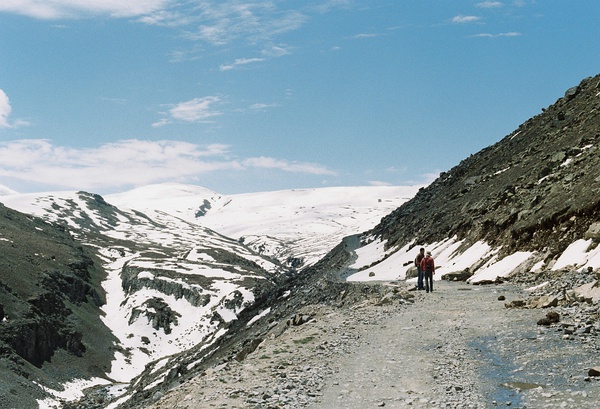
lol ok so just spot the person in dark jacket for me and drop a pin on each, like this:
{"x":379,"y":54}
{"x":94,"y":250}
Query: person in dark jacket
{"x":428,"y":268}
{"x":418,"y":259}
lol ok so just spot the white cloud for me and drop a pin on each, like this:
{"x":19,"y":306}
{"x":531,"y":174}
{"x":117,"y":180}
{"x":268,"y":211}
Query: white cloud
{"x":296,"y":167}
{"x":220,"y":23}
{"x":276,"y":51}
{"x":490,"y":4}
{"x":460,"y":19}
{"x":193,"y":111}
{"x":127,"y":163}
{"x":5,"y":109}
{"x":260,"y":107}
{"x":166,"y":18}
{"x":489,"y":35}
{"x":54,"y":9}
{"x":329,"y":5}
{"x":240,"y":61}
{"x":366,"y":35}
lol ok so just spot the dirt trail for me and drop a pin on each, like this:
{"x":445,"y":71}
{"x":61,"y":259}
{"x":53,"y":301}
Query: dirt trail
{"x":459,"y":347}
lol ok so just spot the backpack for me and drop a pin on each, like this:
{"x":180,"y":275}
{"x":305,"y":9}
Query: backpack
{"x":428,"y":264}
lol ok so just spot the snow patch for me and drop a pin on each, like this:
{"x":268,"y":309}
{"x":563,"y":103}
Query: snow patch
{"x":501,"y":268}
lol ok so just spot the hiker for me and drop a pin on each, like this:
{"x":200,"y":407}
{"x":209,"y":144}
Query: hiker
{"x":418,"y":259}
{"x":428,"y":269}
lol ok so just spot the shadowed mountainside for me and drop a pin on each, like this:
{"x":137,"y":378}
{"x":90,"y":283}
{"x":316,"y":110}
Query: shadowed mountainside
{"x":50,"y":293}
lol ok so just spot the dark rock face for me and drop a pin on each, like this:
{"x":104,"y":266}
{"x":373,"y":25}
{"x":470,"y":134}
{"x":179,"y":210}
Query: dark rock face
{"x":49,"y":303}
{"x":536,"y":189}
{"x":131,"y":284}
{"x":203,"y":209}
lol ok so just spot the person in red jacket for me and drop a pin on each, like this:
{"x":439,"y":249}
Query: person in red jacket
{"x":428,"y":269}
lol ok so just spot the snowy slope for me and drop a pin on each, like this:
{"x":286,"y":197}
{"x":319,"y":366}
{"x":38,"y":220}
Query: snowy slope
{"x":303,"y":224}
{"x":197,"y":278}
{"x":375,"y":263}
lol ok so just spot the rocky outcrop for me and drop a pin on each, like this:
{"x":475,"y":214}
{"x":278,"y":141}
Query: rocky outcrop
{"x":158,"y":312}
{"x":589,"y":293}
{"x":593,"y":232}
{"x":203,"y":208}
{"x":463,"y":275}
{"x":132,"y":282}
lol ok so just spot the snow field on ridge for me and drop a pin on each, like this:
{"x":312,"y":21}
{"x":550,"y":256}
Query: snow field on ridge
{"x":393,"y":265}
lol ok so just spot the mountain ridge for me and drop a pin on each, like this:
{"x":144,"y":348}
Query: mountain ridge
{"x":534,"y":179}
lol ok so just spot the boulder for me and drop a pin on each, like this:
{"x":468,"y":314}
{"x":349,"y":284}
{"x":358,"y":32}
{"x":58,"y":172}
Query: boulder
{"x":411,"y":272}
{"x":593,"y":232}
{"x":299,"y":319}
{"x":589,"y":292}
{"x":595,"y":371}
{"x":551,"y":318}
{"x":387,"y":299}
{"x":515,"y":304}
{"x":544,"y":301}
{"x":458,"y":275}
{"x":571,"y":92}
{"x":248,"y":349}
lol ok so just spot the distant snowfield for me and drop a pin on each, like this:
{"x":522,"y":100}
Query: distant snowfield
{"x":300,"y":223}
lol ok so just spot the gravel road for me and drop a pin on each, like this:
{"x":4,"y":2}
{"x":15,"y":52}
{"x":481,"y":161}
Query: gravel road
{"x":458,"y":347}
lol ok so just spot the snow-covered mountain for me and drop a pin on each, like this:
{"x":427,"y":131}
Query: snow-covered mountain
{"x":299,"y":224}
{"x":183,"y":261}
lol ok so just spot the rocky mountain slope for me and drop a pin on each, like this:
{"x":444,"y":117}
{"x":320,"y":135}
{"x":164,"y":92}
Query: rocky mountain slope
{"x":516,"y":206}
{"x":50,"y":298}
{"x":166,"y":285}
{"x":538,"y":189}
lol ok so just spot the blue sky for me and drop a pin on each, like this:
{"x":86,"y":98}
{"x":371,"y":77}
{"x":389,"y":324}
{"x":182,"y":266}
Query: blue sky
{"x":242,"y":96}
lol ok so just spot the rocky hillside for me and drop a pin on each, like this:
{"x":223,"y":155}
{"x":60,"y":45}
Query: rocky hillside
{"x":50,"y":294}
{"x":538,"y":189}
